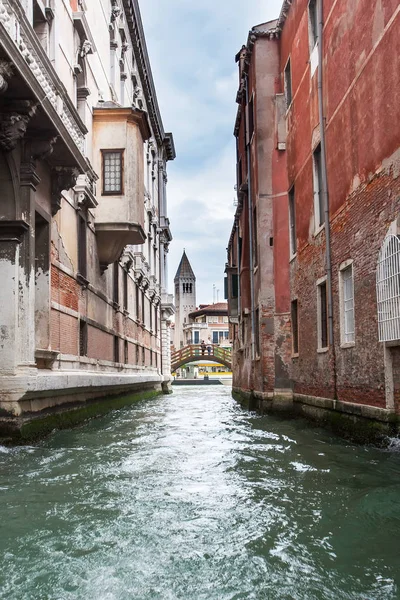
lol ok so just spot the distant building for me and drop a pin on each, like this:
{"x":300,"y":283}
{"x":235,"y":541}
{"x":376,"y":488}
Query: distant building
{"x":209,"y":323}
{"x":314,"y":254}
{"x":194,"y":325}
{"x":185,"y":299}
{"x":84,"y":229}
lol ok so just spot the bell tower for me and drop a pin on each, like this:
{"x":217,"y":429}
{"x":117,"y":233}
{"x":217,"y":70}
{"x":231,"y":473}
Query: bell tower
{"x":185,"y":298}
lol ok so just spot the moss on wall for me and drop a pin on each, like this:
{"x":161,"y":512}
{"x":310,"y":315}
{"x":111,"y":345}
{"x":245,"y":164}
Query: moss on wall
{"x":35,"y":427}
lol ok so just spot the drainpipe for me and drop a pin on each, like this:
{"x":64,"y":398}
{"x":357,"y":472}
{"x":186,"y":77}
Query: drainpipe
{"x":324,"y":187}
{"x":250,"y":216}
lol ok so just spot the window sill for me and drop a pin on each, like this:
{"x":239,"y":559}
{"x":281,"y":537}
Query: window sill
{"x":318,"y":230}
{"x":255,"y":269}
{"x":348,"y":345}
{"x":295,"y":355}
{"x":322,"y":350}
{"x":293,"y":257}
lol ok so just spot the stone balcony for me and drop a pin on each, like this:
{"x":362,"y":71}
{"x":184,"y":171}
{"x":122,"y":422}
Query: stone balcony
{"x":32,"y":92}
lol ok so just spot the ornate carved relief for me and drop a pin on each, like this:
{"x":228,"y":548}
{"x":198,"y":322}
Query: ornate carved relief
{"x":62,"y":178}
{"x":6,"y":72}
{"x":12,"y":129}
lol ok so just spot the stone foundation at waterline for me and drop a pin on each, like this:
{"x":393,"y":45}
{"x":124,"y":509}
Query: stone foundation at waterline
{"x":36,"y":415}
{"x":357,"y":422}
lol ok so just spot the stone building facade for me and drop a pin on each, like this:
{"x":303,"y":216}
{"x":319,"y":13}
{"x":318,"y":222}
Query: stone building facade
{"x":84,"y":230}
{"x":316,"y":254}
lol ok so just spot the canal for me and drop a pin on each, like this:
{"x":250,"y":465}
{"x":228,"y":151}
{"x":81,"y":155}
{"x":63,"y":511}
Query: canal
{"x":190,"y":497}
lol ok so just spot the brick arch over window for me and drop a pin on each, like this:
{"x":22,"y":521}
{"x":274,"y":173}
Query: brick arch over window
{"x":388,"y":289}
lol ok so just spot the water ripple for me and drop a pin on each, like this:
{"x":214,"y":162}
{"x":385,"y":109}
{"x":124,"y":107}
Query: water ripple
{"x":190,"y":497}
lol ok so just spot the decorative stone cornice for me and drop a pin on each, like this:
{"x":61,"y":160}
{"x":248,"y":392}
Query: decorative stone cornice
{"x":62,"y":178}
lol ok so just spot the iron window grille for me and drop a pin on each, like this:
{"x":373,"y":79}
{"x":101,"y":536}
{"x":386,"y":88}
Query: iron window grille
{"x":388,"y":289}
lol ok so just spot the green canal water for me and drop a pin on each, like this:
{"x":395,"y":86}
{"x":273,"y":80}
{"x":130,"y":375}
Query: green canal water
{"x":190,"y":497}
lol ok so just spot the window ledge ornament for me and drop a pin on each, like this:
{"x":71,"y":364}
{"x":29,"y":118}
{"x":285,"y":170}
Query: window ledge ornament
{"x":62,"y":178}
{"x":85,"y":36}
{"x":85,"y":192}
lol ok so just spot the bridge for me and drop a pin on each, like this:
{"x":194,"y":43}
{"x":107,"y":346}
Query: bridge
{"x":193,"y":352}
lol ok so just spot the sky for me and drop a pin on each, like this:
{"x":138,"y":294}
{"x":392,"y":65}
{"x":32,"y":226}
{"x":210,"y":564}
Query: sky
{"x":192,"y":47}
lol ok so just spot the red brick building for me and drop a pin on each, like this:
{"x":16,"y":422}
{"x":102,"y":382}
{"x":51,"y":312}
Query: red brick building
{"x":317,"y":207}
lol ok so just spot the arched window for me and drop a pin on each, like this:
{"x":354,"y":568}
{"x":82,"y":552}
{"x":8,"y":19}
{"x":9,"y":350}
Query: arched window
{"x":388,"y":289}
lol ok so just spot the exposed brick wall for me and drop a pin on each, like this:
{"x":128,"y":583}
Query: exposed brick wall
{"x":101,"y":344}
{"x":64,"y":333}
{"x":64,"y":289}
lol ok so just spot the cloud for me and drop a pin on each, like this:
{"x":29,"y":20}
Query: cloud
{"x":192,"y":48}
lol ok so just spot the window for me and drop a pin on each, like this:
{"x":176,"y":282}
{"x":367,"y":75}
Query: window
{"x":292,"y":223}
{"x":313,"y":22}
{"x":347,"y":305}
{"x":116,"y":348}
{"x":219,"y":336}
{"x":112,"y":171}
{"x":125,"y":284}
{"x":137,"y":301}
{"x":143,"y":308}
{"x":250,"y":119}
{"x":82,"y":247}
{"x":255,"y":240}
{"x":388,"y":289}
{"x":196,"y":337}
{"x":288,"y":84}
{"x":83,"y":338}
{"x":295,"y":327}
{"x":257,"y":332}
{"x":137,"y":354}
{"x":319,"y":212}
{"x":126,"y":352}
{"x":155,"y":320}
{"x":151,"y":315}
{"x":116,"y":283}
{"x":322,"y":316}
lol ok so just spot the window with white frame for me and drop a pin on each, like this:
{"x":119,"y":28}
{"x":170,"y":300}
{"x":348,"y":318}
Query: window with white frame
{"x":319,"y":212}
{"x":388,"y":289}
{"x":322,"y":314}
{"x":347,"y":304}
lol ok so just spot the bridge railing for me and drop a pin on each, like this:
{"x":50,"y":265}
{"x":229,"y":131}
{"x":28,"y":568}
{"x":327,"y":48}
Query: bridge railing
{"x":195,"y":352}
